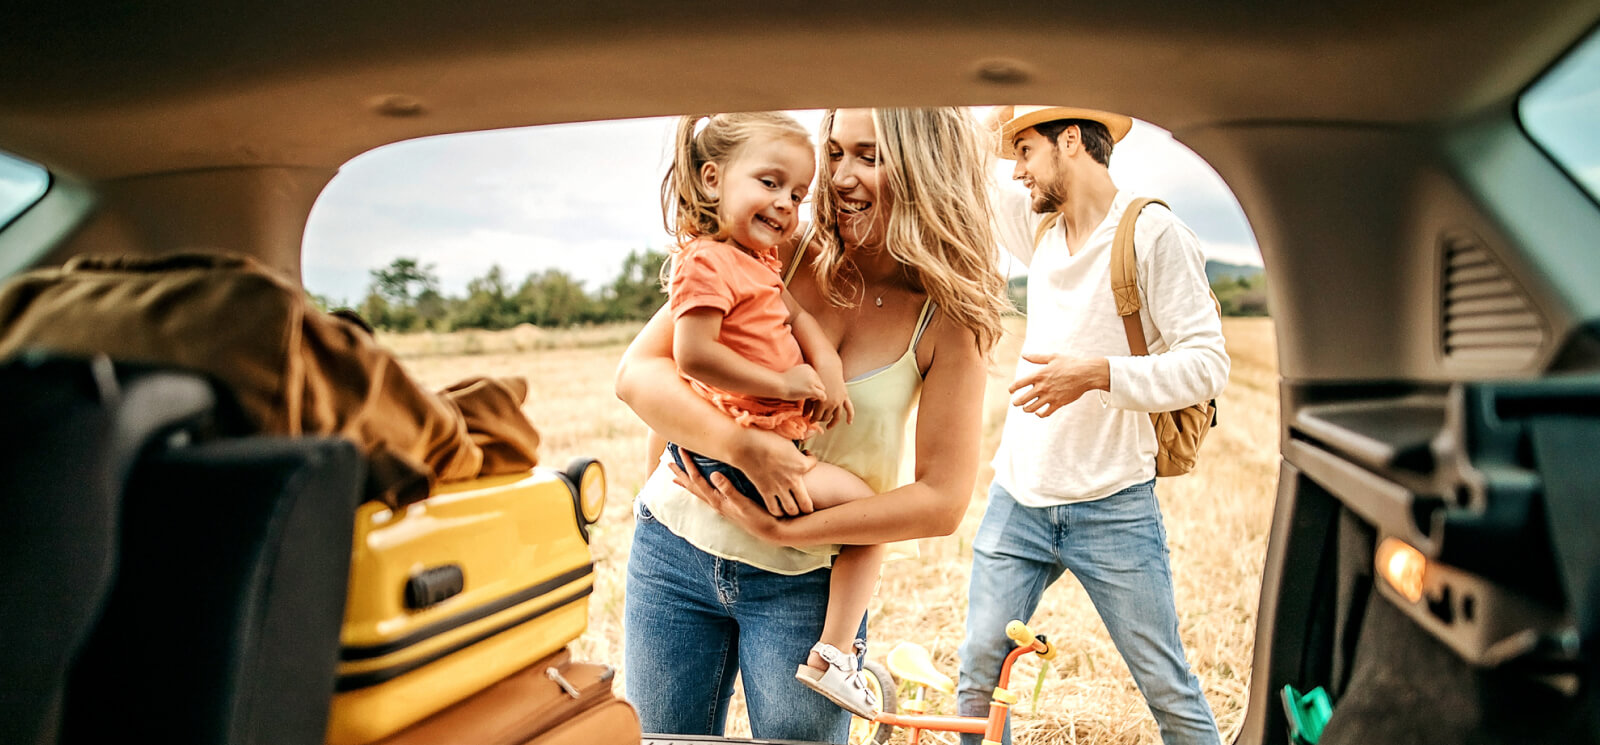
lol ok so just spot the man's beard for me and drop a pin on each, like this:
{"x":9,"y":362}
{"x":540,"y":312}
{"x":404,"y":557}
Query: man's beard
{"x":1049,"y":198}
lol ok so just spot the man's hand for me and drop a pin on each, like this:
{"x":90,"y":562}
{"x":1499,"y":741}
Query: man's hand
{"x":1059,"y":381}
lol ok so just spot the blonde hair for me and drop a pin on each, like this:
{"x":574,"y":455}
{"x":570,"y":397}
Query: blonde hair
{"x":937,"y":169}
{"x":687,"y":210}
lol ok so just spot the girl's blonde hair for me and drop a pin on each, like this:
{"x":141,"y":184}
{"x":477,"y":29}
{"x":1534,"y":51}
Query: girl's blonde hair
{"x":687,"y":210}
{"x":936,"y":166}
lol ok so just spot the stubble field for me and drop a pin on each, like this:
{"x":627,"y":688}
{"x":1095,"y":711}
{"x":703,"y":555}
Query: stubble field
{"x":1216,"y":519}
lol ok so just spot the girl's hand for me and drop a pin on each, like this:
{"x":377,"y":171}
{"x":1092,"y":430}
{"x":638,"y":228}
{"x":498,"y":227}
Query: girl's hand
{"x":727,"y":501}
{"x":834,"y":408}
{"x":802,"y":382}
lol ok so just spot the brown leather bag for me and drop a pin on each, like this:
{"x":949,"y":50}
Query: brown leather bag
{"x":554,"y":701}
{"x":1178,"y":433}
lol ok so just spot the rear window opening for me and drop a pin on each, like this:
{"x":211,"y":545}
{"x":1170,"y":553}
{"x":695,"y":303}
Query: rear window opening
{"x":21,"y":185}
{"x":574,"y":211}
{"x":1561,"y":112}
{"x":536,"y":252}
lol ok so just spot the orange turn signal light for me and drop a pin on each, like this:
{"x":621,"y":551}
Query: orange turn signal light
{"x":1402,"y":566}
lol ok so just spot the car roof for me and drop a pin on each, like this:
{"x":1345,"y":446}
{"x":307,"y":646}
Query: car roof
{"x":105,"y":91}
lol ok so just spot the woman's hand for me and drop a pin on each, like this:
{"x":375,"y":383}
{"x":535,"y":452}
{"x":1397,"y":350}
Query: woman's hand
{"x":727,"y":501}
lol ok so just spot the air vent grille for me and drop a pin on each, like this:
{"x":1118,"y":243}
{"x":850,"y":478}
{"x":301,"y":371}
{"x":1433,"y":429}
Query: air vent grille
{"x":1488,"y":321}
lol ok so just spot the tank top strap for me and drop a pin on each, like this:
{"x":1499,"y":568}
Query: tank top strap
{"x":794,"y":263}
{"x":923,"y":322}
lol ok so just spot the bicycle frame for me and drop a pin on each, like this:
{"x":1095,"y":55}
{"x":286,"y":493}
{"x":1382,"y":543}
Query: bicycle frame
{"x":992,"y":726}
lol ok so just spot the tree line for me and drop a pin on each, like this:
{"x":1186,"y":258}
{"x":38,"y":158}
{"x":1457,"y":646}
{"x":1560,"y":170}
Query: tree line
{"x":1242,"y":296}
{"x":405,"y":296}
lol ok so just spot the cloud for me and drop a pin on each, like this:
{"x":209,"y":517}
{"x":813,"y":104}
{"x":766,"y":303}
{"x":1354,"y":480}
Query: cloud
{"x":573,"y":197}
{"x":580,"y":197}
{"x":1150,"y":162}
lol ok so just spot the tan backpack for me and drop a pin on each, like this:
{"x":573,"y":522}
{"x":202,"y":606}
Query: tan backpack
{"x":1178,"y":433}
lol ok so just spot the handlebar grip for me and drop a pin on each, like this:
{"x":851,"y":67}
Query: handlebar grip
{"x":1020,"y":633}
{"x":1024,"y":637}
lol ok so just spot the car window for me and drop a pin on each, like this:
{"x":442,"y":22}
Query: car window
{"x":1562,"y":113}
{"x":21,"y":184}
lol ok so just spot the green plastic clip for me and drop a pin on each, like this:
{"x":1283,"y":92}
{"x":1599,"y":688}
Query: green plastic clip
{"x":1308,"y":713}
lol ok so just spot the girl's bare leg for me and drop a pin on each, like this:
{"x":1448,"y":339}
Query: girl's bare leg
{"x":831,"y":486}
{"x":855,"y":579}
{"x":855,"y":569}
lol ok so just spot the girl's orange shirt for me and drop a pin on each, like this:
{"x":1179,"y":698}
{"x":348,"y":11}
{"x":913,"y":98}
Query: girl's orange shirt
{"x":748,"y":291}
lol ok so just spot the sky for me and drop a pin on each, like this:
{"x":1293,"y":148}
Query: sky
{"x":20,"y":184}
{"x":580,"y":197}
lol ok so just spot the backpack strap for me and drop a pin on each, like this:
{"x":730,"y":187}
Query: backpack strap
{"x":1125,"y":275}
{"x":1044,"y":226}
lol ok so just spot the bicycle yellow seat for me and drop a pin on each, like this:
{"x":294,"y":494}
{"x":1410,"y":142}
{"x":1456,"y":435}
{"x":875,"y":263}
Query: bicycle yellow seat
{"x":909,"y":661}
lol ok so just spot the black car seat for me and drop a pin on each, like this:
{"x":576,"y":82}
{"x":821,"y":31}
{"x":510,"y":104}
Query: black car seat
{"x":198,"y":578}
{"x":223,"y":623}
{"x":70,"y":434}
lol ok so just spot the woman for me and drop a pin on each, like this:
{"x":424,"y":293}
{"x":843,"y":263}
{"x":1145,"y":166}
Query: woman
{"x":899,"y":270}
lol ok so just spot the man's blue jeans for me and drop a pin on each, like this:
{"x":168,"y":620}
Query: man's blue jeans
{"x":691,"y":621}
{"x":1117,"y":549}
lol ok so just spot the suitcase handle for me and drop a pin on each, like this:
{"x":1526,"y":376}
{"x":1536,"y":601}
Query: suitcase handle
{"x":434,"y":585}
{"x":555,"y":675}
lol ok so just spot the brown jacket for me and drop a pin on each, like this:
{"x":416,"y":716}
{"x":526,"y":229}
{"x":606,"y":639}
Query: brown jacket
{"x":292,"y":369}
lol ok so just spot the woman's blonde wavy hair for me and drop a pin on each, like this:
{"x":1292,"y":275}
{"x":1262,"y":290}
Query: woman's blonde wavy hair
{"x":936,"y":166}
{"x":687,"y":209}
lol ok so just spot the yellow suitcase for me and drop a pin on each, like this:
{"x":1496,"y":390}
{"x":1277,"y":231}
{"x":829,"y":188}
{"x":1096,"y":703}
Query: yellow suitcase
{"x":459,"y":591}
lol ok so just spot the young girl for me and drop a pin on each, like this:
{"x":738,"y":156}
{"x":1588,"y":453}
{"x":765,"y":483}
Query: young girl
{"x":731,"y":198}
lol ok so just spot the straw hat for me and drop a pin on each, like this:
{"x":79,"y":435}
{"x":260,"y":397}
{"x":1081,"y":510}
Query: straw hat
{"x":1010,"y":120}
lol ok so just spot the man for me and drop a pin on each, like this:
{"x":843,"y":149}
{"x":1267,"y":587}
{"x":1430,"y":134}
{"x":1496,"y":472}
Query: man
{"x":1074,"y":474}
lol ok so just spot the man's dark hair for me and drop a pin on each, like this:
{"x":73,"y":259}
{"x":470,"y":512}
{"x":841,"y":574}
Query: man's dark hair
{"x":1096,"y":138}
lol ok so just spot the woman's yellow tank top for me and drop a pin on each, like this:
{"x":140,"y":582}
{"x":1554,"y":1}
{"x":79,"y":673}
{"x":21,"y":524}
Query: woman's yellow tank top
{"x":871,"y":447}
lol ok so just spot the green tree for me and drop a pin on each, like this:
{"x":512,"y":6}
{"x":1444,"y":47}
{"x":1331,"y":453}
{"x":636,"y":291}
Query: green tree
{"x":489,"y":303}
{"x":404,"y":280}
{"x":323,"y":302}
{"x":399,"y":287}
{"x":376,"y":310}
{"x":433,"y":309}
{"x":636,"y":293}
{"x":554,"y":298}
{"x":1242,"y":296}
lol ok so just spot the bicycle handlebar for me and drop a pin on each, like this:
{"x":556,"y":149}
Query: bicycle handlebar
{"x":1024,"y":636}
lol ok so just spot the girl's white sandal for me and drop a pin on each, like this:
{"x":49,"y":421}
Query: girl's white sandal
{"x":843,"y":682}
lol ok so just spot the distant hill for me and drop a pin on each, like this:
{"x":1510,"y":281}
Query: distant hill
{"x":1216,"y":270}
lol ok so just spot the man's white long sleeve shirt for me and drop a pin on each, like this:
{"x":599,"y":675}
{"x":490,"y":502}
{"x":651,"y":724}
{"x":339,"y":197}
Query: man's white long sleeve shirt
{"x":1104,"y":442}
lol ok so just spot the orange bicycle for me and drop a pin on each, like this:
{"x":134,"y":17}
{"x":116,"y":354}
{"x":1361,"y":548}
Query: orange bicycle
{"x":911,"y":663}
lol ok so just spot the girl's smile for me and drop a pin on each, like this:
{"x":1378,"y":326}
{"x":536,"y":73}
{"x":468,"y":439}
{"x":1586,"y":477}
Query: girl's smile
{"x":760,"y":191}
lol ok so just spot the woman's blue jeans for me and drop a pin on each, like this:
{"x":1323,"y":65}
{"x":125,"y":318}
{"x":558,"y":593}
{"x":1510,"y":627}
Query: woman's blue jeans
{"x":691,"y":621}
{"x":1117,"y":549}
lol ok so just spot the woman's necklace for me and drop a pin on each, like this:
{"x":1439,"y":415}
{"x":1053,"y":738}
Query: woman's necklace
{"x":880,"y":301}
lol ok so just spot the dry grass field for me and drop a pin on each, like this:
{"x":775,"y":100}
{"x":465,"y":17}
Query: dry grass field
{"x":1216,"y":518}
